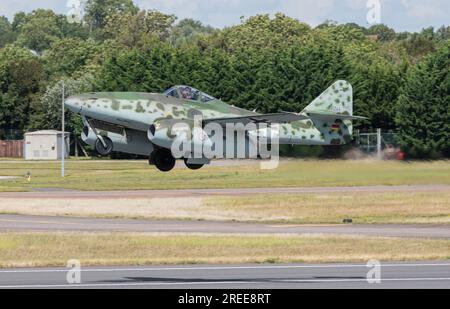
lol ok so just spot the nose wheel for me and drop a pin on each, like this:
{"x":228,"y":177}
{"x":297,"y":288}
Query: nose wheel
{"x":104,"y":146}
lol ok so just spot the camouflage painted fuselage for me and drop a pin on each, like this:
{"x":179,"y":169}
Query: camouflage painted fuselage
{"x":136,"y":112}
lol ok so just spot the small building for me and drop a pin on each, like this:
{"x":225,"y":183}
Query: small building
{"x":46,"y":145}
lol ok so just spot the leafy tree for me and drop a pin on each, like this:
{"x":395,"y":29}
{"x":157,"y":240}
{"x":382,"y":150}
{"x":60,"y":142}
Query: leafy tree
{"x":137,"y":70}
{"x":443,"y":33}
{"x":39,"y":30}
{"x":47,"y":113}
{"x":383,"y":32}
{"x":188,"y":30}
{"x":418,"y":46}
{"x":18,"y":21}
{"x":261,"y":32}
{"x":134,"y":30}
{"x":21,"y":75}
{"x":6,"y":32}
{"x":71,"y":29}
{"x":71,"y":56}
{"x":97,"y":11}
{"x":423,"y":108}
{"x":376,"y":87}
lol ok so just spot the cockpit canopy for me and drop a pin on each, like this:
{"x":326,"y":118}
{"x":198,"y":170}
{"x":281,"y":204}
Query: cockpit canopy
{"x":188,"y":93}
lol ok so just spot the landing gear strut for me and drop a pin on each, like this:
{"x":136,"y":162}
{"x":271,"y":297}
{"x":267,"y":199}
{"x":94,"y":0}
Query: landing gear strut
{"x":163,"y":160}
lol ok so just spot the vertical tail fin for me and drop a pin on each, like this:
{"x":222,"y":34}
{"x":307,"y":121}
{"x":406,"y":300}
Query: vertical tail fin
{"x":338,"y":99}
{"x":332,"y":113}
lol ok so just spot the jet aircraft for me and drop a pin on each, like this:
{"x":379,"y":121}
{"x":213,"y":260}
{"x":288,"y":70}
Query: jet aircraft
{"x":142,"y":123}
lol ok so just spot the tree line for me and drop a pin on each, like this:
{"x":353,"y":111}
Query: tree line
{"x":401,"y":80}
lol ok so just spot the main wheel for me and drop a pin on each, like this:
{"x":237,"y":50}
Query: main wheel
{"x":193,"y":167}
{"x":163,"y":160}
{"x":102,"y":150}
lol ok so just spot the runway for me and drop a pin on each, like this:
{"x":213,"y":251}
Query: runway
{"x":423,"y":275}
{"x":21,"y":223}
{"x":57,"y":193}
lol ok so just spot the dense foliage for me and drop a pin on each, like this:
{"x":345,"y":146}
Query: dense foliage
{"x":401,"y":80}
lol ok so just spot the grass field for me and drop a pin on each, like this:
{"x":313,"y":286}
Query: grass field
{"x":41,"y":249}
{"x":384,"y":208}
{"x":137,"y":175}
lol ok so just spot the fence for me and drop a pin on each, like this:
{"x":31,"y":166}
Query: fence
{"x":11,"y":149}
{"x":384,"y":145}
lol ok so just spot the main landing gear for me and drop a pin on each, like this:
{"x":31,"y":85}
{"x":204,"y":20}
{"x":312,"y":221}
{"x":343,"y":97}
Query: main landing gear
{"x":165,"y":162}
{"x":191,"y":166}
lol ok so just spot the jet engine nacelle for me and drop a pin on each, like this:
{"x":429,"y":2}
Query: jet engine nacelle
{"x":181,"y":135}
{"x":133,"y":142}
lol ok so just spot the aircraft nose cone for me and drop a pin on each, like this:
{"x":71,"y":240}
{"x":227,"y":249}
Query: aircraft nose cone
{"x":73,"y":103}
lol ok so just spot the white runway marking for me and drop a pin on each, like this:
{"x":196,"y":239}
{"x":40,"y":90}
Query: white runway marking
{"x":218,"y":268}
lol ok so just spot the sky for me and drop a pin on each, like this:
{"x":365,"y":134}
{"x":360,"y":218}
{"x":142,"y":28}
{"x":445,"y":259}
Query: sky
{"x":402,"y":15}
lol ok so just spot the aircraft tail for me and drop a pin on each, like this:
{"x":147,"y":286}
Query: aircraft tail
{"x":338,"y":99}
{"x":332,"y":113}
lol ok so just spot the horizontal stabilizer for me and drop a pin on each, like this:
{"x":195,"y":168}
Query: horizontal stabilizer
{"x":333,"y":116}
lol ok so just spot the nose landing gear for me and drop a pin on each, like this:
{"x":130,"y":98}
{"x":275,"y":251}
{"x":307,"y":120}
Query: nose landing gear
{"x":104,"y":145}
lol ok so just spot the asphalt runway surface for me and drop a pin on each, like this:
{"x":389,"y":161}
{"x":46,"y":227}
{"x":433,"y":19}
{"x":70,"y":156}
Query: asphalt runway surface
{"x":427,"y":275}
{"x":49,"y":193}
{"x":22,"y":223}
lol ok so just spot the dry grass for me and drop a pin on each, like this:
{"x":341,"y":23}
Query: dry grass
{"x":35,"y":250}
{"x":403,"y":208}
{"x":137,"y":175}
{"x":158,"y":208}
{"x":415,"y":207}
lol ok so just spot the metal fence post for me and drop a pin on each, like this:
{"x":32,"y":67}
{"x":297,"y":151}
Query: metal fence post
{"x":379,"y":154}
{"x":63,"y":150}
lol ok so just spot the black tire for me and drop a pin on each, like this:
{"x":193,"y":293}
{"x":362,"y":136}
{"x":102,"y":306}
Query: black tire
{"x":151,"y":158}
{"x":163,"y":160}
{"x":102,"y":150}
{"x":193,"y":167}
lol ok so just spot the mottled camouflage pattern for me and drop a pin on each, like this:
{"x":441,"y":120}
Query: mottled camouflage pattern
{"x":138,"y":111}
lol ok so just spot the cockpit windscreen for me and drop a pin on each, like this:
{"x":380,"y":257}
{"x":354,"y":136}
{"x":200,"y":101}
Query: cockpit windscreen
{"x":188,"y":93}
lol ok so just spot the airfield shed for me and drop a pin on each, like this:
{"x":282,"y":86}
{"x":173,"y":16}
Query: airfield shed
{"x":45,"y":145}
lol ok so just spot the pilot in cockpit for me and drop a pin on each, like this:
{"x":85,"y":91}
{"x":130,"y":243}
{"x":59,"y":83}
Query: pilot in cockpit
{"x":188,"y":93}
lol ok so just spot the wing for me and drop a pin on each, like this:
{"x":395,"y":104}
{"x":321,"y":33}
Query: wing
{"x":280,"y":118}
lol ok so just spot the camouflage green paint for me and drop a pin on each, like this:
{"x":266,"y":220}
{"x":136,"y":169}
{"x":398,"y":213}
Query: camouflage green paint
{"x":139,"y":110}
